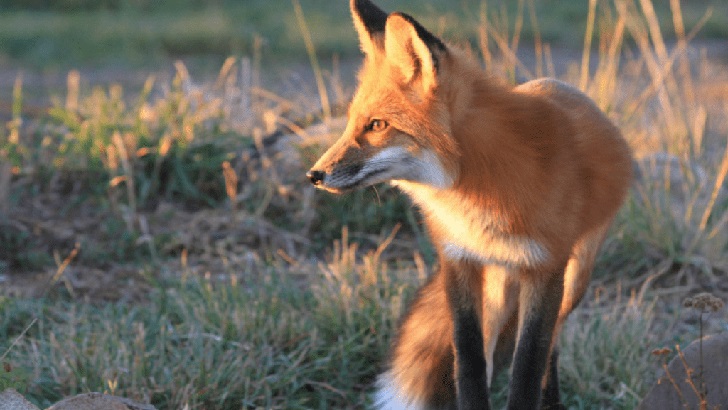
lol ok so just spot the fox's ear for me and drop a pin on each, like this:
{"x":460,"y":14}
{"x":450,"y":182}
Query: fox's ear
{"x":412,"y":49}
{"x":369,"y":21}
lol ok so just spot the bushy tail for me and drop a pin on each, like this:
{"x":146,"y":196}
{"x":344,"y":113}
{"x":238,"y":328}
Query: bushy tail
{"x":420,"y":375}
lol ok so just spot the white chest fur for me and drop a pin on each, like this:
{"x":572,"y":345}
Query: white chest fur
{"x":472,"y":232}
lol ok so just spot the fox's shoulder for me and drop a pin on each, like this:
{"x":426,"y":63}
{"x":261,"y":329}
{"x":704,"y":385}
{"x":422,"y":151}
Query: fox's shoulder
{"x":562,"y":94}
{"x":548,"y":87}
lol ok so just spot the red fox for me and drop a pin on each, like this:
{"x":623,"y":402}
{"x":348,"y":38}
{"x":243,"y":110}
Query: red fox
{"x":517,"y":187}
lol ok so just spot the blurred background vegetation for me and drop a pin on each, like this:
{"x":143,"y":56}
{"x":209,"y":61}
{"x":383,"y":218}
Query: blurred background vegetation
{"x":144,"y":33}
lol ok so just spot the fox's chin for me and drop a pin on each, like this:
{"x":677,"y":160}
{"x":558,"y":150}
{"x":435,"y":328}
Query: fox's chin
{"x":336,"y":190}
{"x":368,"y":180}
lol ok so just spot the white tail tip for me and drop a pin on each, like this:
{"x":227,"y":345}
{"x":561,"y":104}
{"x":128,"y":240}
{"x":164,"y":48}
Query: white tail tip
{"x":389,"y":397}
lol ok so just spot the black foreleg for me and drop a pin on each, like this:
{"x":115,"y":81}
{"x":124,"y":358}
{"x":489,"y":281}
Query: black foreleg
{"x":540,"y":299}
{"x":463,"y":290}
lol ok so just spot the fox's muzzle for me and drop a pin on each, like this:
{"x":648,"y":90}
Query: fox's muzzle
{"x":316,"y":177}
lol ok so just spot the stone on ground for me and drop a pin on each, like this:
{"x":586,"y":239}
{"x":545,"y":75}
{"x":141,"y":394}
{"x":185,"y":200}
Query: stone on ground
{"x":665,"y":396}
{"x":12,"y":400}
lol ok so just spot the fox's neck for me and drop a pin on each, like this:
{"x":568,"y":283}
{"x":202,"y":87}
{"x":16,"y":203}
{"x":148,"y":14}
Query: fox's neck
{"x":482,"y":214}
{"x":499,"y":151}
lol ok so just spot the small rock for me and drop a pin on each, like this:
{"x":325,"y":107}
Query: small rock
{"x":12,"y":400}
{"x":99,"y":401}
{"x":664,"y":395}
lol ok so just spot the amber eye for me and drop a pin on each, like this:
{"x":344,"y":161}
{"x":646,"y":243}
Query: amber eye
{"x":376,"y":125}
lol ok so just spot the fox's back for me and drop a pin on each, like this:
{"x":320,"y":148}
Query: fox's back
{"x":602,"y":155}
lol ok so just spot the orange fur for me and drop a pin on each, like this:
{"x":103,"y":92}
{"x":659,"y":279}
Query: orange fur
{"x":517,"y":186}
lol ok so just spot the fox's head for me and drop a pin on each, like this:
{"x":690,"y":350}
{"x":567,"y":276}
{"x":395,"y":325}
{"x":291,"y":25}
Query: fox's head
{"x":399,"y":126}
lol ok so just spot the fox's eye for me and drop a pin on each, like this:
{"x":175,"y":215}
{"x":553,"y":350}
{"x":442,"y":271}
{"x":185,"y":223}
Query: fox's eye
{"x":377,"y":125}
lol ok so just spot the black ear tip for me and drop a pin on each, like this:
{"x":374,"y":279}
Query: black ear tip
{"x":432,"y":41}
{"x":373,"y":17}
{"x":363,"y":4}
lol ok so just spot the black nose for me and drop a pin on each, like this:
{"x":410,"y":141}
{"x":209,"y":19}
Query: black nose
{"x":316,"y":177}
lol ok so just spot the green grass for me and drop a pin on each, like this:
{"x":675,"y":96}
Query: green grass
{"x":281,"y":340}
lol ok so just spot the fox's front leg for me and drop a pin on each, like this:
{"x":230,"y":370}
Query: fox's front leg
{"x":539,"y":301}
{"x":463,"y":285}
